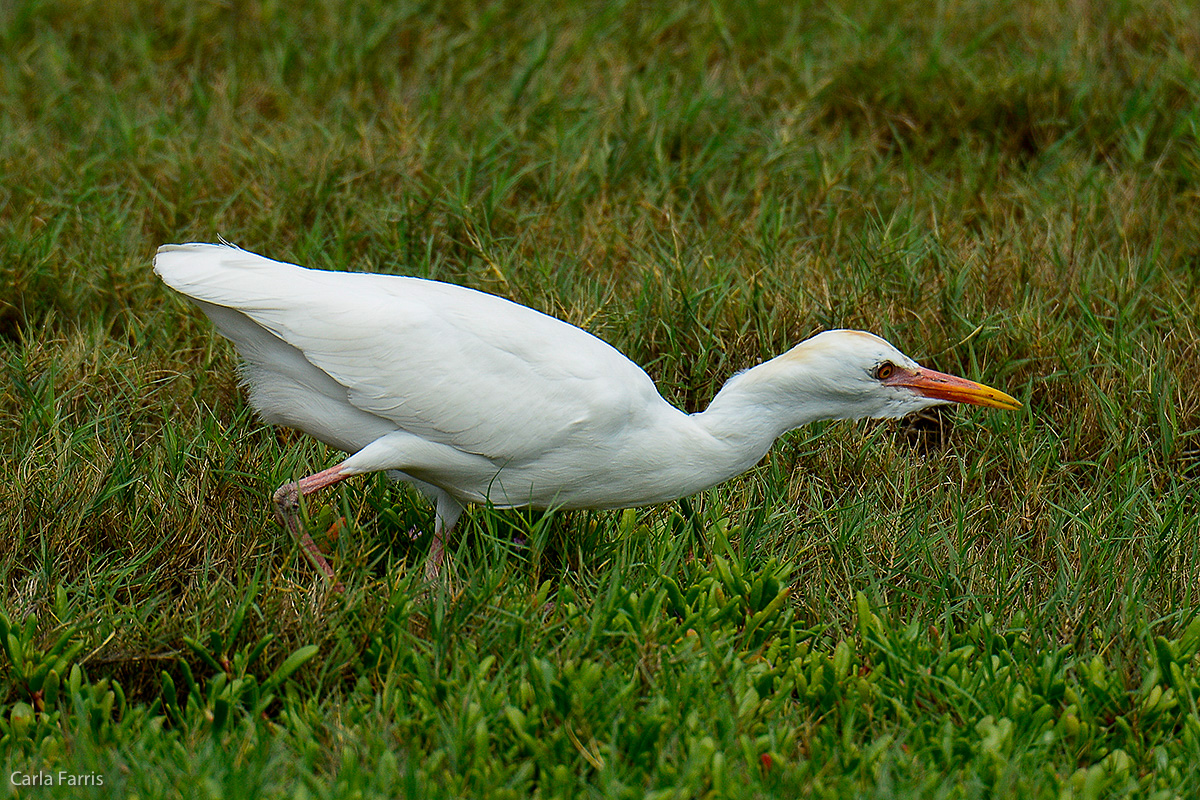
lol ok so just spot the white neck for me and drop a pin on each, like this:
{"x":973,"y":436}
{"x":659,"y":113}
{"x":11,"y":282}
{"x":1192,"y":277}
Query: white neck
{"x":765,"y":402}
{"x":741,"y":423}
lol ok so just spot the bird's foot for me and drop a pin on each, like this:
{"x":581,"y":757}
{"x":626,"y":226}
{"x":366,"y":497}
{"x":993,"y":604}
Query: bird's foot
{"x":287,"y":512}
{"x":433,"y":564}
{"x":287,"y":502}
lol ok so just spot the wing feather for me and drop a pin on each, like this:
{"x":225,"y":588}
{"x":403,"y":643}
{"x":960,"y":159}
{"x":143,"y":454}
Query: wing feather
{"x":452,"y":365}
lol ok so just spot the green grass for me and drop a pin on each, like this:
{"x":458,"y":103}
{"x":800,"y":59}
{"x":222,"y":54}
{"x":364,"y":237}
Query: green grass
{"x":969,"y":604}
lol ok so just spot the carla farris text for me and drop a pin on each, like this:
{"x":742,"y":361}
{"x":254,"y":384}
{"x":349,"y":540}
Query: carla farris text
{"x":60,"y":778}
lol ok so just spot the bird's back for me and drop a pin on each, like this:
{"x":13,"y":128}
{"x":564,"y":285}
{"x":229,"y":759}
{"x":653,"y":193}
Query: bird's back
{"x":349,"y":357}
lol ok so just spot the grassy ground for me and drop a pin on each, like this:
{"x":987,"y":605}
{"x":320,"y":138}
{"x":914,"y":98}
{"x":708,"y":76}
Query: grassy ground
{"x":971,"y":604}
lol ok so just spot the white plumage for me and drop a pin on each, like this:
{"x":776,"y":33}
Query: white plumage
{"x":472,"y":397}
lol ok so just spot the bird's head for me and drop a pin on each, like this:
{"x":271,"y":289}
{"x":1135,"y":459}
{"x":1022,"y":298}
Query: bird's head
{"x":855,"y":375}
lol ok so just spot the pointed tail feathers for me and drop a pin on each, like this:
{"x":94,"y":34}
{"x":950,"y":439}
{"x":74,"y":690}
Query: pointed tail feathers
{"x":223,"y":274}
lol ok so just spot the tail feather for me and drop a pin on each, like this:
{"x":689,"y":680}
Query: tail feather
{"x":224,"y":275}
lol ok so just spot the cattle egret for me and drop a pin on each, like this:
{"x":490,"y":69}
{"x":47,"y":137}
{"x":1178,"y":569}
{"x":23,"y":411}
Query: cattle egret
{"x":473,"y":398}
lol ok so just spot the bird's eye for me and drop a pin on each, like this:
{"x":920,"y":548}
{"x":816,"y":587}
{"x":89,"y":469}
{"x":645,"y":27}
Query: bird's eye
{"x":885,"y":370}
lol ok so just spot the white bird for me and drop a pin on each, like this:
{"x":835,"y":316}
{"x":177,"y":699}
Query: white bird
{"x":473,"y":398}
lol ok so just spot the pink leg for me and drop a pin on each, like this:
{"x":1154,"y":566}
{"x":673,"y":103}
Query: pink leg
{"x":287,"y":511}
{"x":433,"y":565}
{"x":448,"y":510}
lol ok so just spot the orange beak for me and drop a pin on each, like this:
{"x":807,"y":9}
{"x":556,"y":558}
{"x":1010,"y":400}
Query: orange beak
{"x":941,"y":386}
